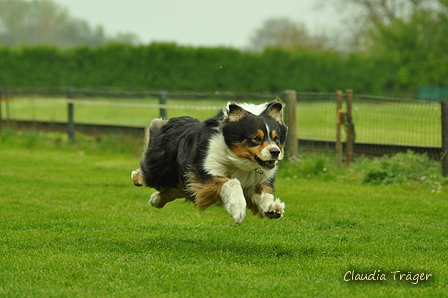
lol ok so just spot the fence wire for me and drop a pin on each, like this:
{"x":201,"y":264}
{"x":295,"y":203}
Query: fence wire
{"x":397,"y":121}
{"x":377,"y":120}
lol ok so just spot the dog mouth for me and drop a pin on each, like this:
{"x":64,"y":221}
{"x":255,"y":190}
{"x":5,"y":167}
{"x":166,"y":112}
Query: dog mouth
{"x":267,"y":164}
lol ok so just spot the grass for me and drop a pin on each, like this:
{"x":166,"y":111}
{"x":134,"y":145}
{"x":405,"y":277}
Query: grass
{"x":383,"y":122}
{"x":72,"y":224}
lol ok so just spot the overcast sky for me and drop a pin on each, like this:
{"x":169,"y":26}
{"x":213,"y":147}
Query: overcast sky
{"x":227,"y":23}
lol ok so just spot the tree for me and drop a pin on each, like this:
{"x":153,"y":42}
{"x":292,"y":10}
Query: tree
{"x":417,"y":46}
{"x":45,"y":22}
{"x":409,"y":34}
{"x":363,"y":16}
{"x":286,"y":34}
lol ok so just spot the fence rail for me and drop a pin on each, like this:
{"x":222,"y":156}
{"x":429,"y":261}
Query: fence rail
{"x":383,"y":123}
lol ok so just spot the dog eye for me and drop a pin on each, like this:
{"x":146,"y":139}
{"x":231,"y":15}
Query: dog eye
{"x":257,"y":139}
{"x":275,"y":139}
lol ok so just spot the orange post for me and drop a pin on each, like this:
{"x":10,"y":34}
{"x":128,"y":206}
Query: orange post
{"x":339,"y":122}
{"x":292,"y":141}
{"x":350,"y":127}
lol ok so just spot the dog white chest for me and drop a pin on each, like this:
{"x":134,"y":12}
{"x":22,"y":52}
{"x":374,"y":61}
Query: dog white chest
{"x":221,"y":161}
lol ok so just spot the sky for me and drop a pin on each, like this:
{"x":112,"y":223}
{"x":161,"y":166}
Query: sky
{"x":210,"y":23}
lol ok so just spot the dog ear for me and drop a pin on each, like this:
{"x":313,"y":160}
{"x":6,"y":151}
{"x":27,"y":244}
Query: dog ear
{"x":234,"y":112}
{"x":274,"y":110}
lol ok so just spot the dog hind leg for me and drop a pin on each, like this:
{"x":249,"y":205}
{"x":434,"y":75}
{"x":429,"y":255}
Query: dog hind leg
{"x":160,"y":198}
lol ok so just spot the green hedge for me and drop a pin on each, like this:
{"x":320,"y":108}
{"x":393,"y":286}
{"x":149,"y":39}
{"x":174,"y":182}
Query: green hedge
{"x":171,"y":67}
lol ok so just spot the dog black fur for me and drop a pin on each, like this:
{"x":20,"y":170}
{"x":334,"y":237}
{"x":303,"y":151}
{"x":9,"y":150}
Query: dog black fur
{"x":230,"y":159}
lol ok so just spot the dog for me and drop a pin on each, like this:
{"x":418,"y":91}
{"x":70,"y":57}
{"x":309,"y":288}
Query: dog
{"x":230,"y":160}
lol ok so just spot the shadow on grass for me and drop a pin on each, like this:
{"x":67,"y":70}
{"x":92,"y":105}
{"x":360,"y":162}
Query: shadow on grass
{"x":185,"y":246}
{"x":181,"y":246}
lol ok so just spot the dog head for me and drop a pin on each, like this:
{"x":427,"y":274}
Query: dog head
{"x":256,"y":132}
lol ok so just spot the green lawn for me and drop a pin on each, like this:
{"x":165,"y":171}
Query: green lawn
{"x":72,"y":224}
{"x":381,"y":122}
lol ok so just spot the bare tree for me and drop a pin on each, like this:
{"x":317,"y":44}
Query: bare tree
{"x":364,"y":15}
{"x":286,"y":34}
{"x":127,"y":38}
{"x":45,"y":22}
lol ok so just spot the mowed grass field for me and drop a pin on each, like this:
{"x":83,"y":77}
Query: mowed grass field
{"x":379,"y":122}
{"x":73,"y":225}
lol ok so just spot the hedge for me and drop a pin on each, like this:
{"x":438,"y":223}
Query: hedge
{"x":172,"y":67}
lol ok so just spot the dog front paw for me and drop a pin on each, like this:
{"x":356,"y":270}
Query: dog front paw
{"x":275,"y":210}
{"x":233,"y":198}
{"x":238,"y":213}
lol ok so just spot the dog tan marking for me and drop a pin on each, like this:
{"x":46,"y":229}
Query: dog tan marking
{"x":261,"y":151}
{"x":275,"y":137}
{"x":263,"y":188}
{"x":241,"y":150}
{"x":205,"y":194}
{"x":260,"y":135}
{"x":222,"y":190}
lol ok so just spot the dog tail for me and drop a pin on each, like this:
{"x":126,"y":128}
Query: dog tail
{"x":138,"y":176}
{"x":146,"y":138}
{"x":155,"y":124}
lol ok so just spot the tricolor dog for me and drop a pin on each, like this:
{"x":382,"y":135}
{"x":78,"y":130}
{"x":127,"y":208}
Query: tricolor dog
{"x":230,"y":159}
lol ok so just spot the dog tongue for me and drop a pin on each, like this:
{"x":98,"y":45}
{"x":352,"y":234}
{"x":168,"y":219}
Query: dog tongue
{"x":269,"y":164}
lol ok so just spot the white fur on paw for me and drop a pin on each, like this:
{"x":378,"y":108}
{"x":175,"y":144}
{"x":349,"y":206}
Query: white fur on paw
{"x":238,"y":213}
{"x":234,"y":201}
{"x":155,"y":200}
{"x":237,"y":209}
{"x":275,"y":210}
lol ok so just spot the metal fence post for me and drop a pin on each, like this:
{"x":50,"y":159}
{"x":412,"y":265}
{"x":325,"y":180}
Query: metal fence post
{"x":162,"y":101}
{"x":292,"y":142}
{"x":71,"y":117}
{"x":444,"y":157}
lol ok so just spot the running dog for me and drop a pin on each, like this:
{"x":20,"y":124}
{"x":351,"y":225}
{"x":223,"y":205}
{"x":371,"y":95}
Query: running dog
{"x":230,"y":159}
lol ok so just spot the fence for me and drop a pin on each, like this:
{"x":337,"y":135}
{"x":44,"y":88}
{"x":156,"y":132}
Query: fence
{"x":381,"y":125}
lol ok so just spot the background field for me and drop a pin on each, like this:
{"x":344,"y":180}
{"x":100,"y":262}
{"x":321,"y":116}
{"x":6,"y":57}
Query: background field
{"x":376,"y":121}
{"x":72,"y":224}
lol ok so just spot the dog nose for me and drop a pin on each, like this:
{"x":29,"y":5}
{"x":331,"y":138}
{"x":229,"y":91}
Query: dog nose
{"x":275,"y":152}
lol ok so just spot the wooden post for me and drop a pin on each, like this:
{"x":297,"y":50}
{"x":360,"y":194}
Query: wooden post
{"x":292,"y":142}
{"x":339,"y":122}
{"x":6,"y":97}
{"x":1,"y":103}
{"x":71,"y":117}
{"x":350,"y":132}
{"x":444,"y":157}
{"x":162,"y":101}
